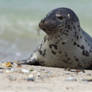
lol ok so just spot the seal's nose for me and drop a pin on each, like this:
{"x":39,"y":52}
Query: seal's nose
{"x":43,"y":23}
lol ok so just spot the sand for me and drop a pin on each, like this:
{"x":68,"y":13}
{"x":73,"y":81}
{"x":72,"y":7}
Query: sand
{"x":28,"y":78}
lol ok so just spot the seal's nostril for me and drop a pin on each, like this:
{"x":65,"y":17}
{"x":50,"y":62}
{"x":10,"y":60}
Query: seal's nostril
{"x":43,"y":22}
{"x":40,"y":24}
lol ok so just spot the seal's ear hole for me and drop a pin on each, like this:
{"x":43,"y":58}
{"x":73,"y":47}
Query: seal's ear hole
{"x":60,"y":17}
{"x":68,"y":16}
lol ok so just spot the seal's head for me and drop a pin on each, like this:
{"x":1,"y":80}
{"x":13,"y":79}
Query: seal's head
{"x":57,"y":19}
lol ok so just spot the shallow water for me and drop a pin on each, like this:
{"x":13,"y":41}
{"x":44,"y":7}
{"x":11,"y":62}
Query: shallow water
{"x":19,"y":20}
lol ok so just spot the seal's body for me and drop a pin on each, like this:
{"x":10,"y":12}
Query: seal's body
{"x":65,"y":44}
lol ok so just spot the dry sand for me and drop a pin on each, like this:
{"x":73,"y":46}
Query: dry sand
{"x":44,"y":79}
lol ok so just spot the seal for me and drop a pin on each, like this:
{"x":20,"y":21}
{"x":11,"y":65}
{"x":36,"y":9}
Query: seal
{"x":65,"y":44}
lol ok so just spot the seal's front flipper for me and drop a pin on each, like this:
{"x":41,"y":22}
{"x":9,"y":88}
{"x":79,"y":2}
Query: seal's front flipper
{"x":32,"y":60}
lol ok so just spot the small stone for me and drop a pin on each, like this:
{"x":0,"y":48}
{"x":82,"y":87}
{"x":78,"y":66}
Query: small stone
{"x":1,"y":68}
{"x":14,"y":65}
{"x":31,"y":70}
{"x":24,"y":71}
{"x":1,"y":71}
{"x":31,"y":78}
{"x":71,"y":79}
{"x":67,"y":73}
{"x":13,"y":69}
{"x":87,"y":80}
{"x":11,"y":78}
{"x":34,"y":72}
{"x":7,"y":64}
{"x":89,"y":74}
{"x":8,"y":71}
{"x":38,"y":74}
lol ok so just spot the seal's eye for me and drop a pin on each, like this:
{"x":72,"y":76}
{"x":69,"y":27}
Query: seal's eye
{"x":60,"y":17}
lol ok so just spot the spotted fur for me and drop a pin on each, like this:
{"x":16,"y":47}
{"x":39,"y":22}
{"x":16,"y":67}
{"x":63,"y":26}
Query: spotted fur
{"x":65,"y":43}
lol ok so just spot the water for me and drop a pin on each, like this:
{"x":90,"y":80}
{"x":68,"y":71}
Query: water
{"x":19,"y":20}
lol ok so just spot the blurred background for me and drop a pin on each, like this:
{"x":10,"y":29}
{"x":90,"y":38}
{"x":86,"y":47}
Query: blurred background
{"x":19,"y":21}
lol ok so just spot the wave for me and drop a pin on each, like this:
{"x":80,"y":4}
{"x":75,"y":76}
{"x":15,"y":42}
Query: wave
{"x":17,"y":25}
{"x":18,"y":38}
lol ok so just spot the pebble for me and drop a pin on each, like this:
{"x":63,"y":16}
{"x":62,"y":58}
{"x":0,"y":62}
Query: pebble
{"x":8,"y":71}
{"x":1,"y":68}
{"x":11,"y":78}
{"x":31,"y":78}
{"x":77,"y":70}
{"x":25,"y":71}
{"x":38,"y":74}
{"x":66,"y":73}
{"x":1,"y":71}
{"x":13,"y":70}
{"x":7,"y":64}
{"x":26,"y":74}
{"x":71,"y":79}
{"x":87,"y":80}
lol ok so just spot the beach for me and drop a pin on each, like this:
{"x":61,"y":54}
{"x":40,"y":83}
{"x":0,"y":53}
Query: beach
{"x":27,"y":78}
{"x":20,"y":36}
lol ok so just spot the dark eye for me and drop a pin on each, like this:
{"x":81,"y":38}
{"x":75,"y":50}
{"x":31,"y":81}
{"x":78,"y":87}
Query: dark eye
{"x":60,"y":17}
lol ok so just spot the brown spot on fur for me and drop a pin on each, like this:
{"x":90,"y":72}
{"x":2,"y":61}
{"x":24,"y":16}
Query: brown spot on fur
{"x":60,"y":52}
{"x":43,"y":53}
{"x":53,"y":52}
{"x":78,"y":26}
{"x":85,"y":53}
{"x":80,"y":37}
{"x":68,"y":58}
{"x":74,"y":43}
{"x":74,"y":27}
{"x":66,"y":54}
{"x":65,"y":61}
{"x":69,"y":27}
{"x":53,"y":45}
{"x":78,"y":45}
{"x":77,"y":37}
{"x":82,"y":47}
{"x":63,"y":43}
{"x":45,"y":38}
{"x":76,"y":59}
